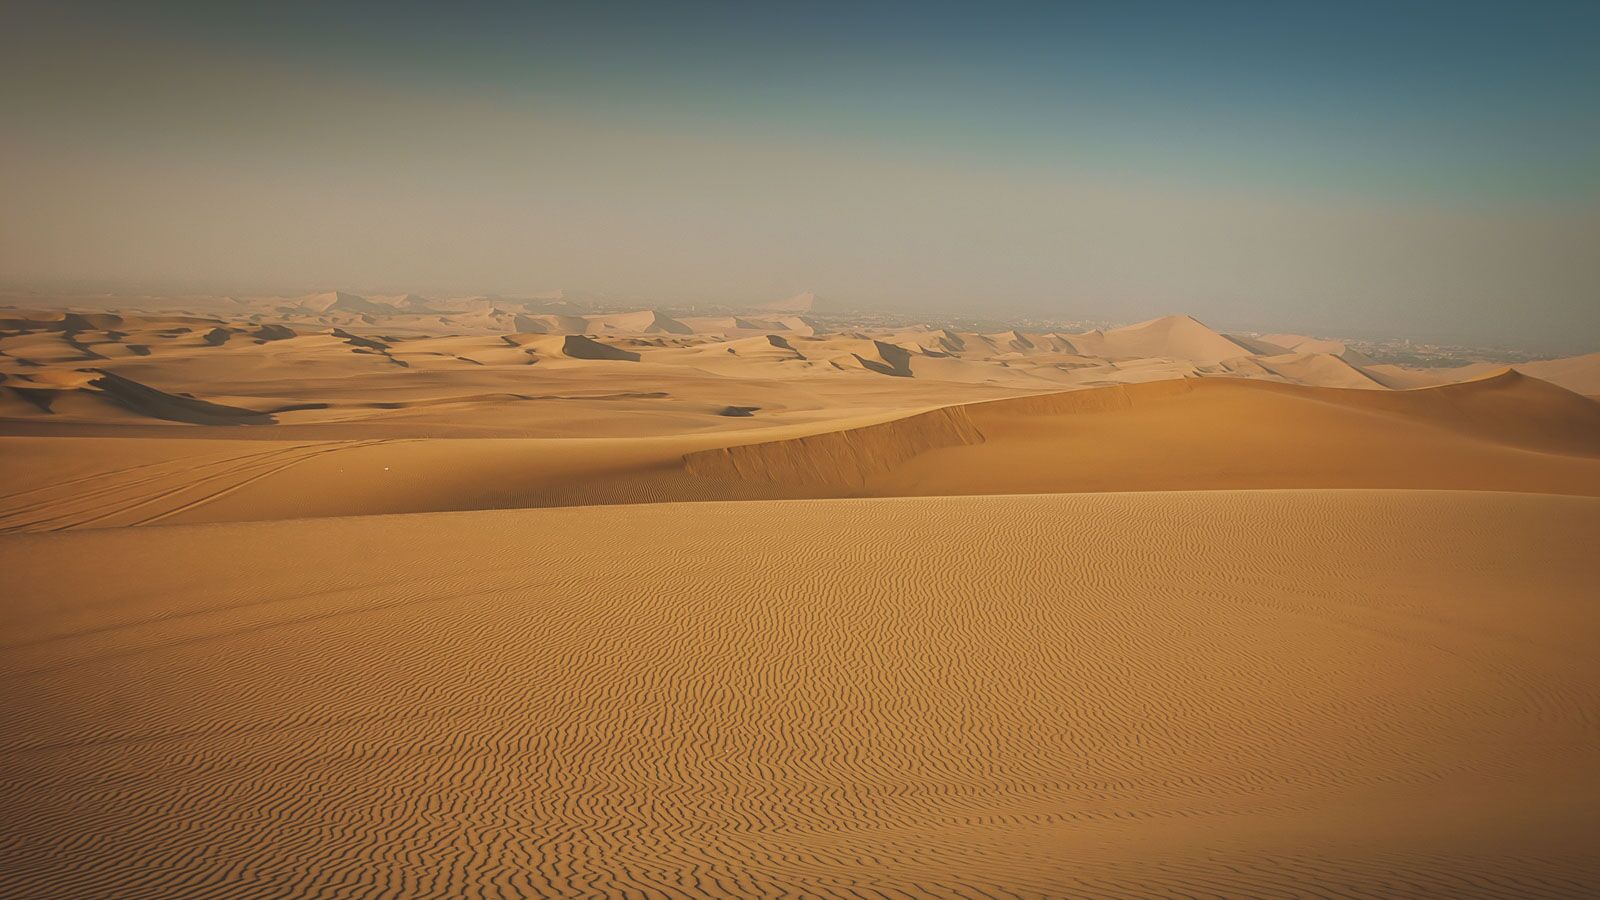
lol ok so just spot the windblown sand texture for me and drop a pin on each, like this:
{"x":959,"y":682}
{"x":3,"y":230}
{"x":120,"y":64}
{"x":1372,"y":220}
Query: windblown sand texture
{"x":1376,"y":692}
{"x":365,"y":596}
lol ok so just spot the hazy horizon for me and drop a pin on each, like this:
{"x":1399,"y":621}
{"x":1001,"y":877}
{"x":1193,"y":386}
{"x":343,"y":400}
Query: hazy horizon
{"x":1025,"y":449}
{"x":1414,"y":170}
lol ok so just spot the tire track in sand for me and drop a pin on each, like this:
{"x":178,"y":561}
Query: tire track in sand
{"x":171,"y":487}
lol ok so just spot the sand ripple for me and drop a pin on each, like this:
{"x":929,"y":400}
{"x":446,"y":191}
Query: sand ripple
{"x":1334,"y":693}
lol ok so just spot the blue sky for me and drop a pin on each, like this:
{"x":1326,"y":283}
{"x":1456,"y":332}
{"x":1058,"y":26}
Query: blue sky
{"x":1416,"y":167}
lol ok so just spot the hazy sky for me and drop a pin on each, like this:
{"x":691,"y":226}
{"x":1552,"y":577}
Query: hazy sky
{"x":1402,"y":167}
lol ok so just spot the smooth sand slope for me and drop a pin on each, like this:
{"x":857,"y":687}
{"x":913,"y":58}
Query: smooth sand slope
{"x":1502,"y":432}
{"x":1580,"y":373}
{"x":1342,"y":693}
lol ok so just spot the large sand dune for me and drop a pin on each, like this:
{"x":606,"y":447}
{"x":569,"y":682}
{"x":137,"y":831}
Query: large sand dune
{"x":1505,"y":432}
{"x":1578,"y":373}
{"x":1502,"y":432}
{"x":1216,"y":693}
{"x":1143,"y":611}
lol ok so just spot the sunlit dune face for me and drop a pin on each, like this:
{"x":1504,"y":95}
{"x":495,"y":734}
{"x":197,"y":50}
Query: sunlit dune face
{"x":791,"y":450}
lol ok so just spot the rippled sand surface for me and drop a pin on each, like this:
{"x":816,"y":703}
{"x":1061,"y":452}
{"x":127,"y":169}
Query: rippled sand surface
{"x":1337,"y":693}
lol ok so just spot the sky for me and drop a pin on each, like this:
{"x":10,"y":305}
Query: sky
{"x":1415,"y":169}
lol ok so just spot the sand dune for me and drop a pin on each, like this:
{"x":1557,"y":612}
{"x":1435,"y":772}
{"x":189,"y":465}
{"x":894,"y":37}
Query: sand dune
{"x":1376,"y":693}
{"x":1300,"y":343}
{"x":570,"y":346}
{"x":95,"y":395}
{"x":143,"y":482}
{"x":1576,"y":373}
{"x":1179,"y":337}
{"x":645,"y":322}
{"x":338,"y":358}
{"x":1323,"y":370}
{"x":1506,"y":432}
{"x":1179,"y":344}
{"x":838,"y":459}
{"x":997,"y":613}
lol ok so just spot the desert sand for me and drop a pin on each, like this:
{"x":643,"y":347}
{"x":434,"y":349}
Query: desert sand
{"x":1378,"y":692}
{"x":345,"y":595}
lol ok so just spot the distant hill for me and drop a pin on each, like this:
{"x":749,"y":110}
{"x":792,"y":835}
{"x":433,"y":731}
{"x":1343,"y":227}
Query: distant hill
{"x":1169,"y":337}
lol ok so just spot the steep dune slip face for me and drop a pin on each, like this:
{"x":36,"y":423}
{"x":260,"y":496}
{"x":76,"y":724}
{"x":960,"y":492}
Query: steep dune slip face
{"x":1345,"y":693}
{"x":90,"y":395}
{"x":838,"y":459}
